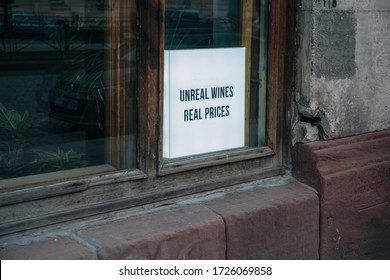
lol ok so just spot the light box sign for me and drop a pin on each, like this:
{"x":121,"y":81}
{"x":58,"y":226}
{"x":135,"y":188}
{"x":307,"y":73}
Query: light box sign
{"x":204,"y":101}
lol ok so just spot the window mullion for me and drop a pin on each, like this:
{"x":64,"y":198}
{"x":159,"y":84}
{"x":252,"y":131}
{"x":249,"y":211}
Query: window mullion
{"x":149,"y":45}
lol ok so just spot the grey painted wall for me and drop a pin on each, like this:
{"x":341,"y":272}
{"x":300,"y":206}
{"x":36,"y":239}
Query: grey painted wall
{"x":343,"y":62}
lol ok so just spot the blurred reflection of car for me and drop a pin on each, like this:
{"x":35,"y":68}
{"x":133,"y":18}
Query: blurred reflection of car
{"x":78,"y":95}
{"x":79,"y":91}
{"x":30,"y":23}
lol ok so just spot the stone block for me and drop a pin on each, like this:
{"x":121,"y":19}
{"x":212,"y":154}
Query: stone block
{"x":352,"y":176}
{"x":279,"y":222}
{"x":193,"y":232}
{"x":52,"y":248}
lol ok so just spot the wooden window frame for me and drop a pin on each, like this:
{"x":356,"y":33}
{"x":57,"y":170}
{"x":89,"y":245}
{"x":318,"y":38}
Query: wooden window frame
{"x":252,"y":97}
{"x":156,"y":180}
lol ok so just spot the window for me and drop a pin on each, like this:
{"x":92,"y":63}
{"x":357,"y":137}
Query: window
{"x":66,"y":82}
{"x":90,"y":97}
{"x":214,"y":93}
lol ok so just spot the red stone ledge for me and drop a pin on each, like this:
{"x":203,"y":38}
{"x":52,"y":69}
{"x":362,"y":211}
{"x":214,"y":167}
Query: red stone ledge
{"x":271,"y":223}
{"x":193,"y":232}
{"x":352,"y":177}
{"x":278,"y":222}
{"x":52,"y":247}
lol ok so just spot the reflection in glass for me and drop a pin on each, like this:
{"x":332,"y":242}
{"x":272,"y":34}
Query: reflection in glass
{"x":201,"y":24}
{"x":55,"y":85}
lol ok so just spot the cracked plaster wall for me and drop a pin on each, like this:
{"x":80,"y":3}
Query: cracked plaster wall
{"x":343,"y":72}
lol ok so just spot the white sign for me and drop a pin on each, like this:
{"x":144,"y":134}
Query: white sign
{"x":204,"y":101}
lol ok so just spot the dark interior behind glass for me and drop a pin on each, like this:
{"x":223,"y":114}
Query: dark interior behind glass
{"x":201,"y":24}
{"x":54,"y":82}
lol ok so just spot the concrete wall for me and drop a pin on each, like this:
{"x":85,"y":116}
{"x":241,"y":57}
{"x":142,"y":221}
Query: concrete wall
{"x":343,"y":69}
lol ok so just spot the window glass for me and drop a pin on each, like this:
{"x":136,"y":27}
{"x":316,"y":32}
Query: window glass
{"x":68,"y":86}
{"x":59,"y":2}
{"x":201,"y":24}
{"x":214,"y":76}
